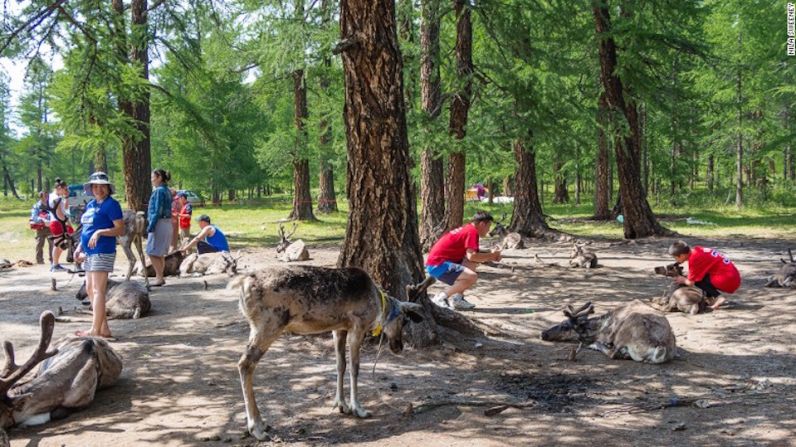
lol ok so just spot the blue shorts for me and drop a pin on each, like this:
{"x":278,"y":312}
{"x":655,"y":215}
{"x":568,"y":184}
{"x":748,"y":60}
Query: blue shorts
{"x":446,"y":272}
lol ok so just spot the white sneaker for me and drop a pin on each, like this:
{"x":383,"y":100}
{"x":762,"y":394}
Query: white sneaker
{"x":441,"y":300}
{"x":459,"y":303}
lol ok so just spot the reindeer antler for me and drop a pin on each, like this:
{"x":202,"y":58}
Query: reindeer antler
{"x":11,"y":371}
{"x":295,"y":225}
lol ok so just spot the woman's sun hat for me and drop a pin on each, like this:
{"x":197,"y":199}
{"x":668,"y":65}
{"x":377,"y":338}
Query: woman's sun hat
{"x":97,"y":178}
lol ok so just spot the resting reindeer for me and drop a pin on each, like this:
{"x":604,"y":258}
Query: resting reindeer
{"x":291,"y":250}
{"x":687,"y":299}
{"x":630,"y":331}
{"x":209,"y":264}
{"x":579,"y":257}
{"x":508,"y":240}
{"x":67,"y":379}
{"x":786,"y":276}
{"x":125,"y":300}
{"x":313,"y":300}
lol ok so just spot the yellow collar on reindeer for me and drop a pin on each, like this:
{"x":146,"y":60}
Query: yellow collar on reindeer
{"x":377,"y":330}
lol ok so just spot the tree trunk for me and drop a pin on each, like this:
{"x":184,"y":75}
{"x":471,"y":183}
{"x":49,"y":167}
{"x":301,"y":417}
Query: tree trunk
{"x":432,"y":187}
{"x":407,"y":33}
{"x":39,"y":177}
{"x":508,"y":186}
{"x":454,"y":189}
{"x":578,"y":177}
{"x":381,"y":236}
{"x":135,"y":149}
{"x":639,"y":221}
{"x":527,"y":217}
{"x":327,"y":198}
{"x":709,"y":173}
{"x":302,"y":196}
{"x":560,"y":194}
{"x":460,"y":107}
{"x":8,"y":181}
{"x":432,"y":184}
{"x":602,"y":184}
{"x":101,"y":160}
{"x":739,"y":148}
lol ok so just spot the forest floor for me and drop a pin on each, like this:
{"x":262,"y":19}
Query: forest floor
{"x":734,"y":383}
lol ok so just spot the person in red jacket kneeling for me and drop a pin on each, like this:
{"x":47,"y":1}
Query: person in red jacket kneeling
{"x":708,"y":269}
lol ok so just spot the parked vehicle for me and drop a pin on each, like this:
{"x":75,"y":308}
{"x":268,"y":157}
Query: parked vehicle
{"x":193,"y":198}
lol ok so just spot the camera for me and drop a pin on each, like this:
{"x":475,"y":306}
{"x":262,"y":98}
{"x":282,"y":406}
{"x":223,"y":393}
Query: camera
{"x":673,"y":269}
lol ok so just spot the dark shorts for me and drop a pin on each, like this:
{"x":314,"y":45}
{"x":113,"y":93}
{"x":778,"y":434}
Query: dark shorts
{"x":203,"y":247}
{"x":446,"y":272}
{"x":710,"y":290}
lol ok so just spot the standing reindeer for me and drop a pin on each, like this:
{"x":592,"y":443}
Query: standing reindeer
{"x":67,"y":379}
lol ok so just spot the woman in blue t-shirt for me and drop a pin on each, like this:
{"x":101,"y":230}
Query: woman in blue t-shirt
{"x":102,"y":223}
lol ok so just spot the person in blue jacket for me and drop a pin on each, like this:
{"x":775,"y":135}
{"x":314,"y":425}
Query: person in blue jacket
{"x":159,"y":227}
{"x":209,"y":240}
{"x":102,"y":223}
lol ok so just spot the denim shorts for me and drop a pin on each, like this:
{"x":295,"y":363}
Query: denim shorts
{"x":446,"y":272}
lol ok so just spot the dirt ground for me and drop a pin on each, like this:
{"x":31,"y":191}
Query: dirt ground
{"x":735,"y":383}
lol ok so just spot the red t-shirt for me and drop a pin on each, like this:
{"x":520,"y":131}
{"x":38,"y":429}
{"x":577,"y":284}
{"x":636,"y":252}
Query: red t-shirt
{"x":185,"y":216}
{"x":453,"y":245}
{"x":723,"y":274}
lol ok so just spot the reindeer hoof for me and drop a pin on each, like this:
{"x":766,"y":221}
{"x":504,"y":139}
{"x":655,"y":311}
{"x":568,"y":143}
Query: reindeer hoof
{"x":361,"y":412}
{"x":342,"y":406}
{"x":259,"y":430}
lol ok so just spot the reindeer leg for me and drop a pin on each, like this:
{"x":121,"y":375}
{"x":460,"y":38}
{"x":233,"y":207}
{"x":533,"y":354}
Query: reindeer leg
{"x":355,"y":341}
{"x":140,"y":249}
{"x":260,"y":340}
{"x":339,"y":347}
{"x":130,"y":258}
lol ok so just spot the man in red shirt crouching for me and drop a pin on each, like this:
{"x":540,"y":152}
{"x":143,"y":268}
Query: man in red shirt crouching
{"x":708,"y":269}
{"x":455,"y":257}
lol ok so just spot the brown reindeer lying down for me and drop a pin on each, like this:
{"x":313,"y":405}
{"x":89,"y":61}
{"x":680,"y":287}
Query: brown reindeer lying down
{"x":124,"y":300}
{"x":67,"y":379}
{"x":633,"y":331}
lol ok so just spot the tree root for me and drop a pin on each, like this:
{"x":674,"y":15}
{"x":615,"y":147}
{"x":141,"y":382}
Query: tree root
{"x":495,"y":407}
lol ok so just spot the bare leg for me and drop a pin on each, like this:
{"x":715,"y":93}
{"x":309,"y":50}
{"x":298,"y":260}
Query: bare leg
{"x":158,"y":263}
{"x":100,"y":320}
{"x":719,"y":301}
{"x":339,"y":348}
{"x":355,"y":341}
{"x":465,"y":280}
{"x":258,"y":344}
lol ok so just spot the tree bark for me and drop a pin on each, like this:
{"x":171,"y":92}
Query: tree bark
{"x":460,"y":108}
{"x":302,"y":196}
{"x":101,"y":160}
{"x":327,"y":198}
{"x":135,"y":148}
{"x":432,"y":183}
{"x":602,"y":184}
{"x":739,"y":146}
{"x":560,"y":193}
{"x":381,"y":236}
{"x":639,"y":221}
{"x":527,"y":217}
{"x":709,"y":173}
{"x":8,"y":181}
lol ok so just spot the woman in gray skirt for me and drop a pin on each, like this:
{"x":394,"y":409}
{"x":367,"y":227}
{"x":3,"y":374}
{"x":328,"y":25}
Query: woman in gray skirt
{"x":159,"y":224}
